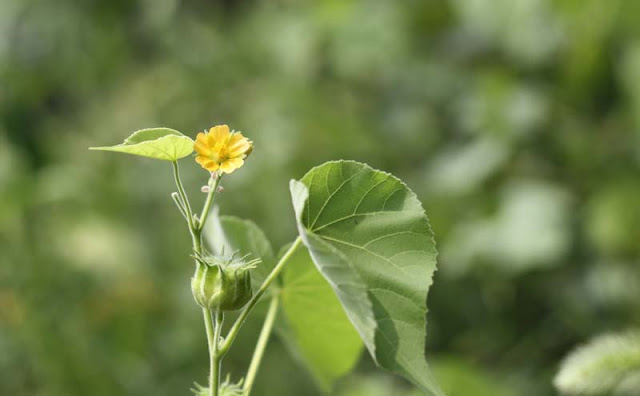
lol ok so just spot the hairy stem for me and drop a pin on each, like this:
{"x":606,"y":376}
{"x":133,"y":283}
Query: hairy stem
{"x":265,"y":333}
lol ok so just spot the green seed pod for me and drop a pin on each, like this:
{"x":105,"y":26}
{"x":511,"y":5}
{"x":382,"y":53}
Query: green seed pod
{"x":222,"y":283}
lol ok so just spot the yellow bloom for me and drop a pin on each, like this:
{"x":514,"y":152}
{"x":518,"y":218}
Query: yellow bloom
{"x":220,"y":149}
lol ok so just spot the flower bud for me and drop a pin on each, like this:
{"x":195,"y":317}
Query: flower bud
{"x":222,"y":283}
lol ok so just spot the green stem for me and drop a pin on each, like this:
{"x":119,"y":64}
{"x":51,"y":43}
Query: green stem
{"x":215,"y":355}
{"x":183,"y":194}
{"x":210,"y":327}
{"x":233,"y":332}
{"x":178,"y":201}
{"x":265,"y":333}
{"x":195,"y":234}
{"x":209,"y":201}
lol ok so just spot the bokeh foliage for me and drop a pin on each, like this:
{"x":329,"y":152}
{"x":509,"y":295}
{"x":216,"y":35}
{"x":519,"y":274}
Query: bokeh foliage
{"x":516,"y":123}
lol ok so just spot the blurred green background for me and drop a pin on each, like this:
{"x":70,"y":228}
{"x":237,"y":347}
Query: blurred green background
{"x":516,"y":122}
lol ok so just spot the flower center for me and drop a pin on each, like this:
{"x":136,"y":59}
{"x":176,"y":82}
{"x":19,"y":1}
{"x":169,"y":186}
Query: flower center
{"x":220,"y":153}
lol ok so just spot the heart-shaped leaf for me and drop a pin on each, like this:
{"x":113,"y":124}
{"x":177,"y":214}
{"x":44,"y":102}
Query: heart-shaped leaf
{"x":158,"y":143}
{"x":369,"y":236}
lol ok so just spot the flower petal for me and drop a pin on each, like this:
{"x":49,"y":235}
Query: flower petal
{"x":207,"y":163}
{"x":230,"y":165}
{"x":218,"y":134}
{"x":201,"y":146}
{"x":236,"y":138}
{"x":238,"y":145}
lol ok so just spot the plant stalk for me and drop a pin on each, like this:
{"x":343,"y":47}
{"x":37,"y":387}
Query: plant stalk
{"x":215,"y":355}
{"x":265,"y":333}
{"x":195,"y":234}
{"x":182,"y":193}
{"x":210,"y":197}
{"x":210,"y":326}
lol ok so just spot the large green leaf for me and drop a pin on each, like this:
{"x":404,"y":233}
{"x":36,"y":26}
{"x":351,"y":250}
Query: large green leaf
{"x":158,"y":143}
{"x":369,"y":236}
{"x":312,"y":323}
{"x":316,"y":327}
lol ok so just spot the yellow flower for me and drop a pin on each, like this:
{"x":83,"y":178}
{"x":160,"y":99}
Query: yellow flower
{"x":222,"y":150}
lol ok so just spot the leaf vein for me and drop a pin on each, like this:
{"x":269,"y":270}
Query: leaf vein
{"x":368,"y":251}
{"x":368,"y":192}
{"x":333,"y":195}
{"x":389,"y":236}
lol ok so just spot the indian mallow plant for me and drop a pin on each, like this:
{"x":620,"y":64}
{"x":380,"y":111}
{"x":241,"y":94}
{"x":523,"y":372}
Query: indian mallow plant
{"x":356,"y":276}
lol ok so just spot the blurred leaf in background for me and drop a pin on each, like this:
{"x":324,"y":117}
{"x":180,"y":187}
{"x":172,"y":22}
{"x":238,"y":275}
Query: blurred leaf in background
{"x":516,"y":123}
{"x":609,"y":364}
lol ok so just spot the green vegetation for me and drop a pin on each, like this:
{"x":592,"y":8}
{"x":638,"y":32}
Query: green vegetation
{"x":515,"y":123}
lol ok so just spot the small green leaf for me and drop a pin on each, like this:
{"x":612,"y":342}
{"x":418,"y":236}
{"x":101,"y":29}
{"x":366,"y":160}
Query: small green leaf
{"x":158,"y":143}
{"x":609,"y":364}
{"x":369,"y":236}
{"x":315,"y":327}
